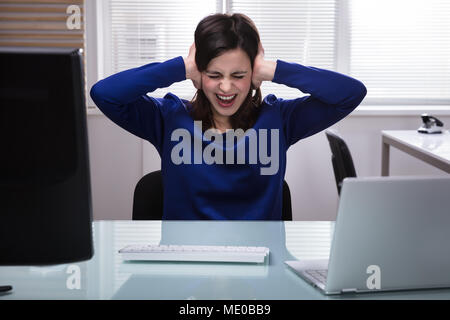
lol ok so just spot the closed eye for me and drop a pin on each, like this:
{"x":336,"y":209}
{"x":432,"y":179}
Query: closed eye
{"x":216,"y":77}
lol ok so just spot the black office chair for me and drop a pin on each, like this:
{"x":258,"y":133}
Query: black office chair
{"x":148,"y":198}
{"x":341,"y":158}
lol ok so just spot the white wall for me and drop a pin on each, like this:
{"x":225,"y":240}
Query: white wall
{"x":117,"y":164}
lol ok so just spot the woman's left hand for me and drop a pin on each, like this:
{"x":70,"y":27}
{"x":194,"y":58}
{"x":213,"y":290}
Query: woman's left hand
{"x":263,"y":70}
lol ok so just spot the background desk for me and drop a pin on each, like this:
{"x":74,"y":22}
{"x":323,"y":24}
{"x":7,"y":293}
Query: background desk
{"x":106,"y":276}
{"x":431,"y":148}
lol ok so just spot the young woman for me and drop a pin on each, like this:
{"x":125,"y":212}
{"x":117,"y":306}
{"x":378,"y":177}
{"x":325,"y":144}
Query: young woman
{"x":209,"y":171}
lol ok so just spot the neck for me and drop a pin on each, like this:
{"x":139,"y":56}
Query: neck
{"x":222,"y":125}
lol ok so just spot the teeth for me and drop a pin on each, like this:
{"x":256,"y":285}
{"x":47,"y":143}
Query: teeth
{"x":226,"y":98}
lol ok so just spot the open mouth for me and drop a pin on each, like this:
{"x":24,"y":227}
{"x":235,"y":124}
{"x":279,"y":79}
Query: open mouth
{"x":226,"y":101}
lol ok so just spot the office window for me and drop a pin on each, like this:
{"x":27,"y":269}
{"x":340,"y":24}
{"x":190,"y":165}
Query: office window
{"x":399,"y":49}
{"x":141,"y":32}
{"x":302,"y":31}
{"x":43,"y":23}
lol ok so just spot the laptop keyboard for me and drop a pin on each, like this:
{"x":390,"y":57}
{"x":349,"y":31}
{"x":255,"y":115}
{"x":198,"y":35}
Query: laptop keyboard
{"x":319,"y":275}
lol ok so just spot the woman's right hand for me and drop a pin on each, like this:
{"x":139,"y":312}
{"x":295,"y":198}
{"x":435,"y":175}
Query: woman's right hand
{"x":191,"y":68}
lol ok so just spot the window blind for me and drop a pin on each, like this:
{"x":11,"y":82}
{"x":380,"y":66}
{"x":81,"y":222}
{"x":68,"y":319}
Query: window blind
{"x":41,"y":23}
{"x":142,"y":32}
{"x":148,"y":31}
{"x":301,"y":31}
{"x":401,"y":50}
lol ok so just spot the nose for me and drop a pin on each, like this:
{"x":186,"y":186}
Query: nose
{"x":225,"y":85}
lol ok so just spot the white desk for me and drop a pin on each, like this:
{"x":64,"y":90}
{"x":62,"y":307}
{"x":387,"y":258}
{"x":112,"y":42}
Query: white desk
{"x":431,"y":148}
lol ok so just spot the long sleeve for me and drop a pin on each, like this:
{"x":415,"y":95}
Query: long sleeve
{"x":332,"y":96}
{"x":122,"y":98}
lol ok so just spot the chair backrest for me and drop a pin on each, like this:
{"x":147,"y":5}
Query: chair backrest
{"x":148,"y":198}
{"x":286,"y":210}
{"x":341,"y":158}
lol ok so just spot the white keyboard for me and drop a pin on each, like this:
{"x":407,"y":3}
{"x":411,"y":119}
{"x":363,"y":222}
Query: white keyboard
{"x":194,"y":253}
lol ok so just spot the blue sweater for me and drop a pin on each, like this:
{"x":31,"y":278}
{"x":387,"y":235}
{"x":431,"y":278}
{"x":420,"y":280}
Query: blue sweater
{"x":232,"y":191}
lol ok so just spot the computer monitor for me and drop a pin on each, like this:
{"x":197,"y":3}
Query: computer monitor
{"x":45,"y":194}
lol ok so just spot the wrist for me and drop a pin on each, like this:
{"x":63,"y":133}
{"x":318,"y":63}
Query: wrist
{"x":188,"y":68}
{"x":268,"y":70}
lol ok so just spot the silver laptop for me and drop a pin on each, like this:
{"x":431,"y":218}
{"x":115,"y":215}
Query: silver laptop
{"x":391,"y":233}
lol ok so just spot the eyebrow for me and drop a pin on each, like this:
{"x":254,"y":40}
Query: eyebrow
{"x":217,"y":72}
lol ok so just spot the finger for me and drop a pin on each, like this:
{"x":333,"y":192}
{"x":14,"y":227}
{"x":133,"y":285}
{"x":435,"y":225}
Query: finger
{"x":261,"y":49}
{"x":192,"y":49}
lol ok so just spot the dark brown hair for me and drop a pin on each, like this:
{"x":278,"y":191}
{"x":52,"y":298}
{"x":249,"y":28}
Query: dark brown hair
{"x":214,"y":35}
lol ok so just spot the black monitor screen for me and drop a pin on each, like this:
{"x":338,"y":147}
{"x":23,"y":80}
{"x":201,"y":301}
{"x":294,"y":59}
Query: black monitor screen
{"x":45,"y":204}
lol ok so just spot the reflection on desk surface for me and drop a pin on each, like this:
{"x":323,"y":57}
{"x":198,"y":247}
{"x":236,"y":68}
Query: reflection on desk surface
{"x":106,"y":276}
{"x":307,"y":240}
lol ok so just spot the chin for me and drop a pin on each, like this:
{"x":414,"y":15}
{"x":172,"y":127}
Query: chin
{"x":225,"y":113}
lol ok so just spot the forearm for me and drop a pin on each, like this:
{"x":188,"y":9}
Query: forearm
{"x":126,"y":86}
{"x":328,"y":86}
